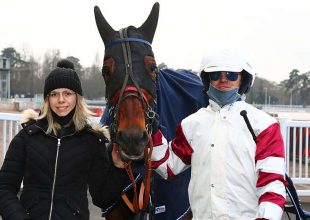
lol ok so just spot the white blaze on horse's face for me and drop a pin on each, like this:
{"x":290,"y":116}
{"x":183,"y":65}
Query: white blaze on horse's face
{"x":129,"y":71}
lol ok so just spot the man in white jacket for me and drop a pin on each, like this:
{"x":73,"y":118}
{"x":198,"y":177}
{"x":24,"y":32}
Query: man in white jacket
{"x":235,"y":174}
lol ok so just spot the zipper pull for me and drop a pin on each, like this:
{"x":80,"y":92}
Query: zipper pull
{"x":58,"y":144}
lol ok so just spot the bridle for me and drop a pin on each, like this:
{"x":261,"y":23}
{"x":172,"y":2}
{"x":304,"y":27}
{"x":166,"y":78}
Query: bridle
{"x":127,"y":91}
{"x":141,"y":201}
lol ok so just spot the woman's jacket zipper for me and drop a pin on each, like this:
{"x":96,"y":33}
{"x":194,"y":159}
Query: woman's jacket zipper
{"x":55,"y":168}
{"x":54,"y":179}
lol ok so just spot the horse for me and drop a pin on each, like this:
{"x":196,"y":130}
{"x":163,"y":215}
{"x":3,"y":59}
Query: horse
{"x":136,"y":91}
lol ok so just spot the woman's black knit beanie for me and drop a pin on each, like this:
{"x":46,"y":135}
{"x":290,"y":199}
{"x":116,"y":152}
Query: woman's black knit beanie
{"x":63,"y":76}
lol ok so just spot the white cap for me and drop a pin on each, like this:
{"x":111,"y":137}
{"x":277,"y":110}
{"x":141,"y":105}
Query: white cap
{"x":226,"y":60}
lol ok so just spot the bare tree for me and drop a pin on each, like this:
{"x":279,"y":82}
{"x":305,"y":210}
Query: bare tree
{"x":50,"y":61}
{"x":93,"y":83}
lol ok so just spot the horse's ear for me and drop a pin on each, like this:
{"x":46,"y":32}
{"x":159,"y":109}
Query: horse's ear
{"x":104,"y":28}
{"x":149,"y":26}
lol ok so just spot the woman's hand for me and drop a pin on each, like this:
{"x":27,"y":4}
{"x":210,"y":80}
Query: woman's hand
{"x":116,"y":157}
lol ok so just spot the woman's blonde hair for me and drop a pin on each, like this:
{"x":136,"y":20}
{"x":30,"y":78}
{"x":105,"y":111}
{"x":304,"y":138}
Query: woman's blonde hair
{"x":80,"y":118}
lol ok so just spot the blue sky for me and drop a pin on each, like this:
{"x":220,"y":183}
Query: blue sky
{"x":274,"y":34}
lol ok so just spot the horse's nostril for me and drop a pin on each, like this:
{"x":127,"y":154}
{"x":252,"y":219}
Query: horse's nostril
{"x":140,"y":138}
{"x":120,"y":137}
{"x":145,"y":137}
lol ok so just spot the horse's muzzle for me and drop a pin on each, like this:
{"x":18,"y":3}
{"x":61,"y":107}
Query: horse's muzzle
{"x":131,"y":144}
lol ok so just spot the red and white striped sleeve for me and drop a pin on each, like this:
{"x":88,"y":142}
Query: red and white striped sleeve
{"x":171,"y":159}
{"x":270,"y":166}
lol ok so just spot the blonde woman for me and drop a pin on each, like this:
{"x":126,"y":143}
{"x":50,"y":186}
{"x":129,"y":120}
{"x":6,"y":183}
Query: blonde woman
{"x":58,"y":156}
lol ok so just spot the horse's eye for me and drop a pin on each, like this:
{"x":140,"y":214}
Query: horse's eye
{"x":108,"y":68}
{"x":151,"y":67}
{"x":154,"y":68}
{"x":105,"y":71}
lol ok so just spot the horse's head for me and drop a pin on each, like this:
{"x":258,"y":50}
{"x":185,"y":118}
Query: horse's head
{"x":129,"y":71}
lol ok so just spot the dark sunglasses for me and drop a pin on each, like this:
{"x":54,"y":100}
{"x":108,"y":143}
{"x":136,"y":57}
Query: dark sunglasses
{"x":231,"y":76}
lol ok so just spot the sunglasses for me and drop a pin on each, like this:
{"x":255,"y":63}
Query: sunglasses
{"x":231,"y":76}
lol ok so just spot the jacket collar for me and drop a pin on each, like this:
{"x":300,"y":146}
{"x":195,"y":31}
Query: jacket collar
{"x":31,"y":124}
{"x":42,"y":124}
{"x":216,"y":107}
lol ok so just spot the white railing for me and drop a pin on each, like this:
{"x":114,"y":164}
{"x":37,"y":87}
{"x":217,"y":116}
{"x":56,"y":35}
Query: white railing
{"x":295,"y":135}
{"x":283,"y":108}
{"x":9,"y":128}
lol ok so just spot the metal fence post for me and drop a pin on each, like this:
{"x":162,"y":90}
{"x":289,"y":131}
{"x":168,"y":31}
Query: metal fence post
{"x":283,"y":127}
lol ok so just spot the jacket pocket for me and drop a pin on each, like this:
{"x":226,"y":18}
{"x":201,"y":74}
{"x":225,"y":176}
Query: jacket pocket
{"x":76,"y":210}
{"x":29,"y":204}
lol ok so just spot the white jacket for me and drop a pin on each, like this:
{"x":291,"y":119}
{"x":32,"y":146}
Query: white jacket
{"x":232,"y":177}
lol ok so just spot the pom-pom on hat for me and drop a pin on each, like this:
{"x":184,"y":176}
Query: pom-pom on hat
{"x":63,"y":76}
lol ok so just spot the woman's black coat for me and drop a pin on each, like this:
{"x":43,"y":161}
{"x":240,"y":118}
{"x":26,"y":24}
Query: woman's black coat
{"x":82,"y":161}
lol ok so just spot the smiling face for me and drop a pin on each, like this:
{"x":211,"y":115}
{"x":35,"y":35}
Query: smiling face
{"x":62,"y":101}
{"x":223,"y":84}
